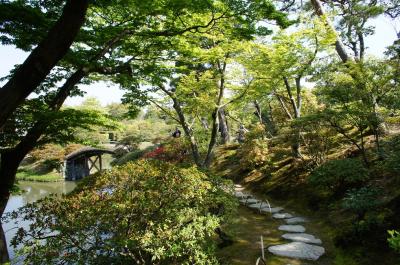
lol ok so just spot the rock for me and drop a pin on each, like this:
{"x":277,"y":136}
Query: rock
{"x":298,"y":250}
{"x":302,"y":237}
{"x":282,"y":215}
{"x":249,"y":201}
{"x":292,"y":228}
{"x":238,"y":186}
{"x":239,"y":194}
{"x":259,"y":205}
{"x":295,"y":220}
{"x":272,"y":210}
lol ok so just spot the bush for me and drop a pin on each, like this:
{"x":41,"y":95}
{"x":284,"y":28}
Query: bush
{"x":175,"y":150}
{"x":50,"y":155}
{"x":148,"y":212}
{"x":394,"y":240}
{"x":253,"y":153}
{"x":318,"y":138}
{"x":361,"y":200}
{"x":336,"y":175}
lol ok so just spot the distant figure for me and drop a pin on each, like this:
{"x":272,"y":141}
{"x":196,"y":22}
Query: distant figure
{"x":241,"y":132}
{"x":177,"y":133}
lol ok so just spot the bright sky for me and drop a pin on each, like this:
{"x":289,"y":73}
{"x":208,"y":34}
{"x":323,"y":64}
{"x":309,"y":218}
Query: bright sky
{"x":9,"y":56}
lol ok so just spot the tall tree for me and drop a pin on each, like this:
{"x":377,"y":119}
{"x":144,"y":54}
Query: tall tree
{"x":28,"y":76}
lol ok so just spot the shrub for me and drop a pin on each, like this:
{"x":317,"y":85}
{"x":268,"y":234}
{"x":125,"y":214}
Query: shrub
{"x":148,"y":212}
{"x":361,"y":200}
{"x":394,"y":240}
{"x":336,"y":175}
{"x":318,"y":138}
{"x":175,"y":150}
{"x":50,"y":155}
{"x":254,"y":152}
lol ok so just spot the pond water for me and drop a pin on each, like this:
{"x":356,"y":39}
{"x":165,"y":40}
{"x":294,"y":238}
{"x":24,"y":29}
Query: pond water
{"x":34,"y":192}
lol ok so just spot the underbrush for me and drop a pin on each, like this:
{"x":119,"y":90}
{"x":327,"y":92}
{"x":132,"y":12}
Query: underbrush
{"x":357,"y":203}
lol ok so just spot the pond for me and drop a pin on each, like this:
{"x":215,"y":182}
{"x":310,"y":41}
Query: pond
{"x":34,"y":192}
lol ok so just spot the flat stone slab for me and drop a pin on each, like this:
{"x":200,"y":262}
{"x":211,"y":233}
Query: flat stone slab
{"x":259,"y":205}
{"x":298,"y":250}
{"x":295,"y":220}
{"x":282,"y":215}
{"x":238,"y":186}
{"x":239,"y":194}
{"x":272,"y":210}
{"x":249,"y":201}
{"x":302,"y":237}
{"x":292,"y":228}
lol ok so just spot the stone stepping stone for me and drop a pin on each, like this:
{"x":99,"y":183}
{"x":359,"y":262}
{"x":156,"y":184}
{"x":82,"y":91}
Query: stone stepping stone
{"x":298,"y":250}
{"x":272,"y":210}
{"x":259,"y":205}
{"x":302,"y":237}
{"x":249,"y":201}
{"x":292,"y":228}
{"x":295,"y":220}
{"x":282,"y":215}
{"x":239,"y":194}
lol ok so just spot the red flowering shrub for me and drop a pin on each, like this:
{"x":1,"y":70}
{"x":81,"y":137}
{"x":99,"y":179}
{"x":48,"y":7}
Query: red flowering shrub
{"x":175,"y":150}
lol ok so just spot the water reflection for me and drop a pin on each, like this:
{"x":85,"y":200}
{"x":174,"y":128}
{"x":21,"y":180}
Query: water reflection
{"x":34,"y":192}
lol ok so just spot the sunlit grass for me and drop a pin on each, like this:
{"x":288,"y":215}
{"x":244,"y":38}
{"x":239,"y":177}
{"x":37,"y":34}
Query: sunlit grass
{"x":31,"y":176}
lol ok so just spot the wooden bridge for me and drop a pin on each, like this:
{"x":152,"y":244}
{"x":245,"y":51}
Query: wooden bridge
{"x":84,"y":161}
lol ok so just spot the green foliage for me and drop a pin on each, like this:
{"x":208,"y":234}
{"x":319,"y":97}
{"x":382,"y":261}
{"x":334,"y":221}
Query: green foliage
{"x":336,"y":175}
{"x":131,"y":156}
{"x":148,"y":212}
{"x":254,"y":152}
{"x":27,"y":175}
{"x":361,"y":200}
{"x":174,"y":150}
{"x":391,"y":163}
{"x":50,"y":156}
{"x":319,"y":139}
{"x":394,"y":240}
{"x":147,"y":130}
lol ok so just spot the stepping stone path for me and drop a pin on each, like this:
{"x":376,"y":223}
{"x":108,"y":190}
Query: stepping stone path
{"x":249,"y":201}
{"x":282,"y":215}
{"x":295,"y":220}
{"x":292,"y":228}
{"x":302,"y":237}
{"x":303,"y":245}
{"x":298,"y":250}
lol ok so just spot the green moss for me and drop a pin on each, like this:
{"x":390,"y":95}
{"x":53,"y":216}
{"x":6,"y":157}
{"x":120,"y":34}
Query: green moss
{"x":342,"y":258}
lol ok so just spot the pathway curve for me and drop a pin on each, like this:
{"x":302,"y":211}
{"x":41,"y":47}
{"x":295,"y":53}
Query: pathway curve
{"x":300,"y":244}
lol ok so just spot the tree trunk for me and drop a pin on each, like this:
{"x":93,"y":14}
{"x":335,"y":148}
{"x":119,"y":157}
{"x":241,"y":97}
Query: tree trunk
{"x":297,"y":112}
{"x":215,"y":125}
{"x":223,"y":127}
{"x":213,"y":139}
{"x":188,"y":131}
{"x":43,"y":58}
{"x":339,"y":46}
{"x":264,"y":118}
{"x":4,"y":256}
{"x":9,"y":163}
{"x":11,"y":158}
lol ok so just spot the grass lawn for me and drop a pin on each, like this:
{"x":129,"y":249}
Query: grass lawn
{"x":31,"y":176}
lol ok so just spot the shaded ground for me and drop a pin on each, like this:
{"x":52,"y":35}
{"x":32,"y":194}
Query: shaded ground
{"x":246,"y":230}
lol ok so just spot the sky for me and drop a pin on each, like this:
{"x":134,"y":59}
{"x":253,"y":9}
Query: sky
{"x":107,"y":93}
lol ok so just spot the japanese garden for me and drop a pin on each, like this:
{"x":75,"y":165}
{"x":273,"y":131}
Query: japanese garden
{"x":200,"y":132}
